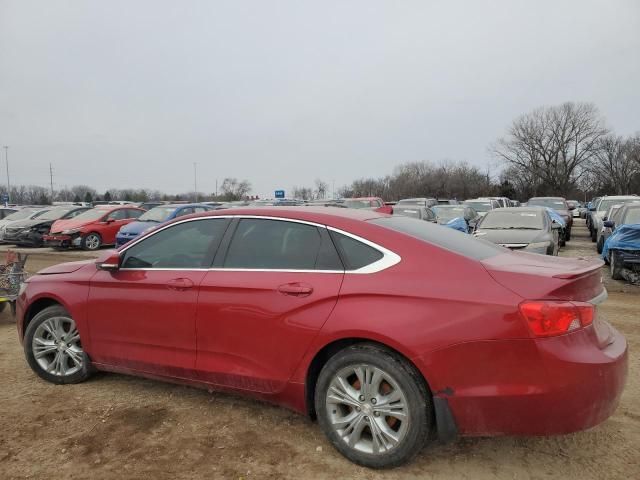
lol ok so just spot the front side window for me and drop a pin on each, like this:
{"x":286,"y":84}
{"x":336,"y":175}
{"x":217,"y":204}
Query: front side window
{"x":280,"y":245}
{"x":133,"y":213}
{"x":184,"y":245}
{"x":117,"y":215}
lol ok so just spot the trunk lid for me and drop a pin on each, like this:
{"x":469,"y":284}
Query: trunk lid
{"x":543,"y":277}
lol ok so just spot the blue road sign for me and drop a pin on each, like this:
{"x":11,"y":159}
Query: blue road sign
{"x":279,"y":193}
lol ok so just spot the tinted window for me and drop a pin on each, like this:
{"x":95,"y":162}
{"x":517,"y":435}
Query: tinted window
{"x":356,"y":254}
{"x":277,"y":244}
{"x":185,"y":245}
{"x":481,"y":206}
{"x":446,"y":238}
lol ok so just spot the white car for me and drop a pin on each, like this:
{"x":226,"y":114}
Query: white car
{"x":27,"y":213}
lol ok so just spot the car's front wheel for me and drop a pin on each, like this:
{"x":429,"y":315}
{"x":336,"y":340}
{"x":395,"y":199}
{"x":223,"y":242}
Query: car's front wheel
{"x":600,"y":244}
{"x":92,"y":241}
{"x":53,"y":348}
{"x":373,"y":406}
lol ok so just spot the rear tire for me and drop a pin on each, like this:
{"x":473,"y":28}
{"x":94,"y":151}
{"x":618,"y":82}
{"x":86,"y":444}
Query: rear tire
{"x":615,"y":266}
{"x":53,"y":348}
{"x":567,"y":235}
{"x":594,"y":235}
{"x":382,"y":424}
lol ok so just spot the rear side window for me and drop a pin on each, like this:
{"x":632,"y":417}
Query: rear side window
{"x":280,"y":245}
{"x":354,"y":253}
{"x":447,"y":238}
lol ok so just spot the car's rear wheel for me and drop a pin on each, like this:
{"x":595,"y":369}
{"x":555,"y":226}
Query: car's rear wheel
{"x":600,"y":244}
{"x":594,"y":235}
{"x":615,"y":265}
{"x":92,"y":241}
{"x":373,"y":406}
{"x":53,"y":348}
{"x":567,"y":235}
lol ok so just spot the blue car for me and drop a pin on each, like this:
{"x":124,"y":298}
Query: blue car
{"x":155,"y":217}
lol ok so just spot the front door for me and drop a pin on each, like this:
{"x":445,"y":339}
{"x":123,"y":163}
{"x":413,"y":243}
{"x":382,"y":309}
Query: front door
{"x":143,"y":316}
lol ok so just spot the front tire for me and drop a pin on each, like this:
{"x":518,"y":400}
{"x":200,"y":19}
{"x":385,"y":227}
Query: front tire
{"x":53,"y":348}
{"x":615,"y":266}
{"x":92,"y":241}
{"x":600,"y":244}
{"x":373,"y":406}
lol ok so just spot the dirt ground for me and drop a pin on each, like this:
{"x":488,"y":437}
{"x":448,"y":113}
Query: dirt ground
{"x":115,"y":426}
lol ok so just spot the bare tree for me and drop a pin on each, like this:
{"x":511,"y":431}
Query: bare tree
{"x":233,"y":189}
{"x":553,"y":144}
{"x":616,"y":163}
{"x":321,"y":189}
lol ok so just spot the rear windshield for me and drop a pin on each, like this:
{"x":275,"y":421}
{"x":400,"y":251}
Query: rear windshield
{"x":516,"y":220}
{"x":606,"y":204}
{"x":447,"y":238}
{"x":555,"y":203}
{"x":448,"y":212}
{"x":479,"y":206}
{"x":407,"y":212}
{"x":357,"y":203}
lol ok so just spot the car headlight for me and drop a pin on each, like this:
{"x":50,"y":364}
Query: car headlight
{"x":70,"y":231}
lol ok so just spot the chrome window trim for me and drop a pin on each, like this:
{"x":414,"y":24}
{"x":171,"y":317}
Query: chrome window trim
{"x":388,"y":259}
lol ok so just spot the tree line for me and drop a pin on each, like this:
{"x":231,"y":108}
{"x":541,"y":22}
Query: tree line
{"x":563,"y":150}
{"x":231,"y":189}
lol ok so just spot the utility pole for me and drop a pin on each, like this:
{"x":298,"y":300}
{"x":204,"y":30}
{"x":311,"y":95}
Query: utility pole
{"x":195,"y":182}
{"x":51,"y":180}
{"x":6,"y":159}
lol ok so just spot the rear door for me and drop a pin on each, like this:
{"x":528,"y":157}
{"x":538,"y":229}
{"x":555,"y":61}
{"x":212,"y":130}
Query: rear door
{"x":265,"y":300}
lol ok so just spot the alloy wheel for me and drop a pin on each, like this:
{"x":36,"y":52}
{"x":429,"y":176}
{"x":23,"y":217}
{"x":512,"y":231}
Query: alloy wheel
{"x":92,"y":241}
{"x":56,"y":347}
{"x":367,"y":409}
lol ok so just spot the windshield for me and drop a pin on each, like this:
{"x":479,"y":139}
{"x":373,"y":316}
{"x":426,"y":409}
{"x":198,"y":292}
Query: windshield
{"x":357,"y":203}
{"x":93,"y":214}
{"x":157,"y":214}
{"x":55,"y":213}
{"x":448,"y":213}
{"x":555,"y":203}
{"x":608,"y":203}
{"x":512,"y":220}
{"x":632,"y":216}
{"x":21,"y":214}
{"x":407,"y":212}
{"x":480,"y":206}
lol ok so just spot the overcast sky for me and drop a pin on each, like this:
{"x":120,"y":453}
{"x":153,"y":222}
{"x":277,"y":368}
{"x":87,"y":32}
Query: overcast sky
{"x":131,"y":93}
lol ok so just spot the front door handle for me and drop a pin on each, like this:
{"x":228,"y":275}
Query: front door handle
{"x":296,"y":289}
{"x":179,"y":284}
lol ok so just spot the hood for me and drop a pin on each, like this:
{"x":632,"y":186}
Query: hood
{"x":29,"y":223}
{"x":68,"y":267}
{"x":505,"y":236}
{"x":137,"y":227}
{"x":60,"y":225}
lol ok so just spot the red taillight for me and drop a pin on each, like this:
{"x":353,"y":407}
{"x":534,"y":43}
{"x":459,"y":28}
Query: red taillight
{"x":548,"y":318}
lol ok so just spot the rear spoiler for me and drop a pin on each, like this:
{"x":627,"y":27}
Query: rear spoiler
{"x":591,"y":266}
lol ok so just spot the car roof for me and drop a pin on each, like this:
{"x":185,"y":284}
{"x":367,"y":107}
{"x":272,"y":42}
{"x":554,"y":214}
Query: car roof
{"x":303,"y":213}
{"x":548,"y":198}
{"x":532,"y":208}
{"x":619,"y":197}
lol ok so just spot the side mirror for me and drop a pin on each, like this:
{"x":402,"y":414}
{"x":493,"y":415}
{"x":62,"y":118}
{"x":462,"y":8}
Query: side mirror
{"x":111,"y":263}
{"x":592,"y":209}
{"x":109,"y":220}
{"x":572,"y":207}
{"x":609,"y":223}
{"x":555,"y":225}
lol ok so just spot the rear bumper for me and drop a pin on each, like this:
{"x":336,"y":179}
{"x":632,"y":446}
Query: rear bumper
{"x":532,"y":387}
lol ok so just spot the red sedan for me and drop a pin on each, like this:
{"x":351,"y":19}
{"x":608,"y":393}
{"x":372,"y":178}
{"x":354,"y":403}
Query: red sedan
{"x":92,"y":229}
{"x":388,"y":330}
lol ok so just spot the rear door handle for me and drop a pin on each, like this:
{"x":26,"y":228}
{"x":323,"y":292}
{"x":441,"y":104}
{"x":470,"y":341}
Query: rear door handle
{"x":296,"y":289}
{"x":179,"y":284}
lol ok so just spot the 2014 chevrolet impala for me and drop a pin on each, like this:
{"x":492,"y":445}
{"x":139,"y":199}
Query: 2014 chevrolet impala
{"x":386,"y":329}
